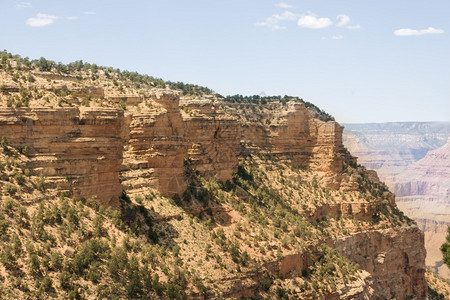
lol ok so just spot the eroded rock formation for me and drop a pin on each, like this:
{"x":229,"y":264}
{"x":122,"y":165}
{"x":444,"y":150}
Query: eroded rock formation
{"x":76,"y":149}
{"x":392,"y":257}
{"x":99,"y":151}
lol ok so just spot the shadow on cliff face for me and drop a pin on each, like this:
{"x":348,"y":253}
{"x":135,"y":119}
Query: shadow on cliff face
{"x":147,"y":223}
{"x":199,"y":199}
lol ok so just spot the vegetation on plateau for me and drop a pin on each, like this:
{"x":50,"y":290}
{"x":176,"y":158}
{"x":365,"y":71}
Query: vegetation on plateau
{"x":25,"y":72}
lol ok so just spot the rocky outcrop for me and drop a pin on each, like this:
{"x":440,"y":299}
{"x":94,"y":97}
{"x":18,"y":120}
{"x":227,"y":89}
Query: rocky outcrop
{"x":304,"y":141}
{"x":361,"y":288}
{"x":160,"y":140}
{"x":199,"y":130}
{"x":394,"y":257}
{"x":360,"y":210}
{"x":213,"y":139}
{"x":156,"y":147}
{"x":76,"y":149}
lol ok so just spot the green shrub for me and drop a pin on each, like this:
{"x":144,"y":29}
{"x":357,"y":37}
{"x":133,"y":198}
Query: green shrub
{"x":40,"y":183}
{"x":9,"y":205}
{"x":90,"y":251}
{"x":4,"y":143}
{"x":25,"y":150}
{"x":46,"y":285}
{"x":10,"y":189}
{"x":34,"y":264}
{"x":20,"y":179}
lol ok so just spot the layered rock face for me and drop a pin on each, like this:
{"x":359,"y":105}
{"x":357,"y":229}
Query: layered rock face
{"x":76,"y":149}
{"x":156,"y":148}
{"x":303,"y":140}
{"x":96,"y":151}
{"x":392,"y":257}
{"x":213,"y":139}
{"x":160,"y":140}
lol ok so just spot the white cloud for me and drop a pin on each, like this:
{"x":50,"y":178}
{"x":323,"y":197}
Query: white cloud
{"x":41,"y":20}
{"x":313,"y":22}
{"x":409,"y":32}
{"x":283,"y":5}
{"x":342,"y":20}
{"x":273,"y":21}
{"x":23,"y":5}
{"x":72,"y":18}
{"x":89,"y":13}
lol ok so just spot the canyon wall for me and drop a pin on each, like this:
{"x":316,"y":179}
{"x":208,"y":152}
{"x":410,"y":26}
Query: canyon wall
{"x":393,"y":257}
{"x":78,"y":150}
{"x":423,"y":192}
{"x":414,"y":161}
{"x":99,"y":151}
{"x":303,"y":140}
{"x":389,"y":148}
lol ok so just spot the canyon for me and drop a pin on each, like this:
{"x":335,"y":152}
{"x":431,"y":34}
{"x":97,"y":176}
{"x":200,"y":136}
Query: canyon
{"x":413,"y":160}
{"x":209,"y":176}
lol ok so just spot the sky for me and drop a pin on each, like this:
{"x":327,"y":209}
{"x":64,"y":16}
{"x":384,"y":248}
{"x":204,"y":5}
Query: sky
{"x":359,"y":60}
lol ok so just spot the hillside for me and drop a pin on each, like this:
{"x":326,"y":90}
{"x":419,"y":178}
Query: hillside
{"x":115,"y":184}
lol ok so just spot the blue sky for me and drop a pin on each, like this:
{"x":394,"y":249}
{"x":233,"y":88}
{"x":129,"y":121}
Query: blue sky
{"x":361,"y":61}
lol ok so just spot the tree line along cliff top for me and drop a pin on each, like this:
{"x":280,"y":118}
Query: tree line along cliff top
{"x":48,"y":83}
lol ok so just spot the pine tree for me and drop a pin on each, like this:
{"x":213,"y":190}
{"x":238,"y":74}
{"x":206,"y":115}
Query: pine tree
{"x":445,"y":248}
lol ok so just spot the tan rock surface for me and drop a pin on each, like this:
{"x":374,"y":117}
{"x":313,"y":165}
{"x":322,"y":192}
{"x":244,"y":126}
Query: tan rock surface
{"x":76,"y":149}
{"x":393,"y":257}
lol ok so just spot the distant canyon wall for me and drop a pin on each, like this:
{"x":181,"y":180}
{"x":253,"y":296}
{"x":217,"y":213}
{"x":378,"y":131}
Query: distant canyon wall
{"x":414,"y":161}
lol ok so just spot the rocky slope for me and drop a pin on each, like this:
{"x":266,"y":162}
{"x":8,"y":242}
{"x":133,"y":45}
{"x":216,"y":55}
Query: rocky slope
{"x":208,"y":197}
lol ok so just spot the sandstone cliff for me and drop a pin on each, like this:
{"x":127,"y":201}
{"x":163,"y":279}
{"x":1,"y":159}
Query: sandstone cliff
{"x":76,"y":149}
